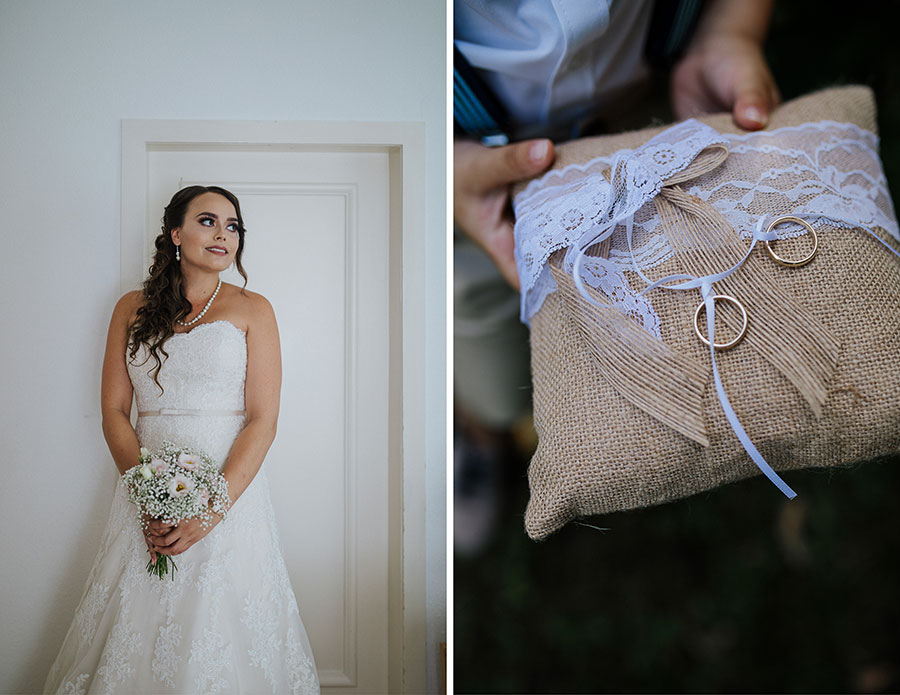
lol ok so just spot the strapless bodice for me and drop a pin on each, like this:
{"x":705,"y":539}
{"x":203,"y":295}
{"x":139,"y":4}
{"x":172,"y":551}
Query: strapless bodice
{"x":204,"y":373}
{"x":205,"y":370}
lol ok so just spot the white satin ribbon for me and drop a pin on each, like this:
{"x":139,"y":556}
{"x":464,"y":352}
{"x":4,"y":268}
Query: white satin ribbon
{"x":189,"y":411}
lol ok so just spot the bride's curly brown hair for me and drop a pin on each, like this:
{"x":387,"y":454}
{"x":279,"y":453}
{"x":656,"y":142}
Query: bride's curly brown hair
{"x":164,"y":300}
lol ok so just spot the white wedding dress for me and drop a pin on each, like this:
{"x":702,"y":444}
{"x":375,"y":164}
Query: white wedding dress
{"x":229,"y":621}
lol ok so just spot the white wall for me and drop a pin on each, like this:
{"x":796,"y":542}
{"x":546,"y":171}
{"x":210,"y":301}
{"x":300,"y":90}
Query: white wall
{"x":69,"y":72}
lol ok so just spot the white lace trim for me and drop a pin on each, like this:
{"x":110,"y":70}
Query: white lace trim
{"x":165,"y":654}
{"x":261,"y":619}
{"x":824,"y":168}
{"x":301,"y":670}
{"x":94,"y":602}
{"x":76,"y":687}
{"x":124,"y":641}
{"x":211,"y":655}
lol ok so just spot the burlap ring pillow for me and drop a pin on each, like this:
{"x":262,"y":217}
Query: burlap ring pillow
{"x":626,"y":407}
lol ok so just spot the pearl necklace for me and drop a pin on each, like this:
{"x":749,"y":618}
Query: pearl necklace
{"x":205,"y":309}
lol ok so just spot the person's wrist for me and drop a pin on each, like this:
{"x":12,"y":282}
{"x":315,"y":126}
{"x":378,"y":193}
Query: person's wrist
{"x":735,"y":18}
{"x":214,"y":519}
{"x":719,"y":43}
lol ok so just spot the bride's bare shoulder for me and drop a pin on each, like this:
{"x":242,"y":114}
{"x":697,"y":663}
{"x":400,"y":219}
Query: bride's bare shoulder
{"x":134,"y":298}
{"x":127,"y":306}
{"x":253,"y":308}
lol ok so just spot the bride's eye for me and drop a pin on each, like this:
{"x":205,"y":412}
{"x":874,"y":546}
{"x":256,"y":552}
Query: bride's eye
{"x":207,"y":221}
{"x":233,"y":227}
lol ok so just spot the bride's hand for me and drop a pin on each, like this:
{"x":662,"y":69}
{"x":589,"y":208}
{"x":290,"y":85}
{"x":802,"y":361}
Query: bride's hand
{"x":157,"y":527}
{"x":183,"y":536}
{"x":154,"y":529}
{"x":151,"y":549}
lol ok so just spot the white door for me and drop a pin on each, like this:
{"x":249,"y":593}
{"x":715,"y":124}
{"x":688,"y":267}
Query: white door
{"x":318,"y":247}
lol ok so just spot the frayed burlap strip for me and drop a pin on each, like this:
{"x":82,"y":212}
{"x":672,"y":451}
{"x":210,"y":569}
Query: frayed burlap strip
{"x":598,"y":453}
{"x":650,"y":375}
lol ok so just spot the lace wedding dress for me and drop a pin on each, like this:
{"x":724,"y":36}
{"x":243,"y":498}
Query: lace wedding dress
{"x":228,"y":622}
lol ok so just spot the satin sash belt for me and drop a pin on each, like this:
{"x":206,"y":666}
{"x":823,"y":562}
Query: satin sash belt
{"x":188,"y":411}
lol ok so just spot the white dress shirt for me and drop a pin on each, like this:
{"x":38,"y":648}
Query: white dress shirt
{"x":555,"y":63}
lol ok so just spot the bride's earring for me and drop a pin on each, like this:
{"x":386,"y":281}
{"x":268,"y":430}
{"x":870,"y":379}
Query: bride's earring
{"x":177,"y":253}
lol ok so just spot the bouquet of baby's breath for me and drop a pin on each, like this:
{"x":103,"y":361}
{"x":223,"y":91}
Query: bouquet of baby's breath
{"x":175,"y":483}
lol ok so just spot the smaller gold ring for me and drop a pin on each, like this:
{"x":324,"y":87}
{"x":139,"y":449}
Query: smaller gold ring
{"x":785,"y":261}
{"x":731,"y":343}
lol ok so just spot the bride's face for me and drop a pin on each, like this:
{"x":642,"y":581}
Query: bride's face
{"x":209,"y":234}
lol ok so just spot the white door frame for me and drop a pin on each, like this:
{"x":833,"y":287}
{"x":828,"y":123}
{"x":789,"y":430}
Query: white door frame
{"x":405,"y":145}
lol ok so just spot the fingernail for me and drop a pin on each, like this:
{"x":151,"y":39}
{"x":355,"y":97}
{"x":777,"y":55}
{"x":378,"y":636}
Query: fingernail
{"x":538,"y":151}
{"x":755,"y":114}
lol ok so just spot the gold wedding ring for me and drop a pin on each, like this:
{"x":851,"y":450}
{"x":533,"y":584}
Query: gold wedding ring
{"x":785,"y":261}
{"x":730,"y":343}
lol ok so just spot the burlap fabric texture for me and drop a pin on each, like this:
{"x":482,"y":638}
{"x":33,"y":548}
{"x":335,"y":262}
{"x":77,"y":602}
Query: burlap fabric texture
{"x":598,"y":453}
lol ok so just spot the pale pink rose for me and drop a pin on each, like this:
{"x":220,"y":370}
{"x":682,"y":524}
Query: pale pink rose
{"x":203,"y":496}
{"x":158,"y":466}
{"x":180,"y":486}
{"x":188,"y":461}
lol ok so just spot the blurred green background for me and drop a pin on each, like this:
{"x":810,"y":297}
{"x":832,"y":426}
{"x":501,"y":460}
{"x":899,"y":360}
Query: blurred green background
{"x":730,"y":591}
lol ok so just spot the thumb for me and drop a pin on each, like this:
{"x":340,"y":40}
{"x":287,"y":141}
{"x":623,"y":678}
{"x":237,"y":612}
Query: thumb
{"x":754,"y":92}
{"x":753,"y":100}
{"x":501,"y":250}
{"x":504,"y":165}
{"x":751,"y":110}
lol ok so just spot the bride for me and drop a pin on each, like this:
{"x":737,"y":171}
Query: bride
{"x":203,"y":362}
